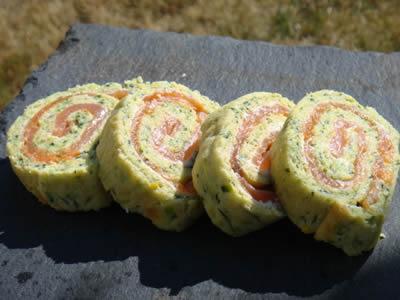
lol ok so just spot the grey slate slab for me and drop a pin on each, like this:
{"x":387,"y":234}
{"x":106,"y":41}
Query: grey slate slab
{"x":112,"y":255}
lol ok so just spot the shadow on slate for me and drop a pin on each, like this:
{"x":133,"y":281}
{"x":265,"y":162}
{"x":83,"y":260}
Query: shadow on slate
{"x":277,"y":259}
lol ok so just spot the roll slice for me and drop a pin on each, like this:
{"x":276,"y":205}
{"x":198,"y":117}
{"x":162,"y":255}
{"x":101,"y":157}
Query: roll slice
{"x":148,"y":149}
{"x":335,"y":165}
{"x":51,"y":146}
{"x":231,"y":172}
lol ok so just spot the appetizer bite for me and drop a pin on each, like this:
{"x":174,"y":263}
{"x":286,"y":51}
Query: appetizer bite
{"x":335,"y":165}
{"x":52,"y":146}
{"x":148,"y":148}
{"x":231,"y":171}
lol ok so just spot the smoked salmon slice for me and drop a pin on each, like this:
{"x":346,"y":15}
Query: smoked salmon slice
{"x":232,"y":171}
{"x":52,"y":145}
{"x":148,"y":149}
{"x":335,"y":166}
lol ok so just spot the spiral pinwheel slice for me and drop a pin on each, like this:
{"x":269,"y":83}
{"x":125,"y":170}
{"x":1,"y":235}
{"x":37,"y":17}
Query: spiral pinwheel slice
{"x":148,"y":149}
{"x":231,"y":172}
{"x":51,"y":146}
{"x":335,"y":165}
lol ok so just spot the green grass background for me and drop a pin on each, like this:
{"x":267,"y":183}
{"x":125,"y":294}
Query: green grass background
{"x":31,"y":29}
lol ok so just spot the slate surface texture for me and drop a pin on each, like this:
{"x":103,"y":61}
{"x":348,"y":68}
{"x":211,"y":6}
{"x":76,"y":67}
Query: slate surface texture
{"x":112,"y":255}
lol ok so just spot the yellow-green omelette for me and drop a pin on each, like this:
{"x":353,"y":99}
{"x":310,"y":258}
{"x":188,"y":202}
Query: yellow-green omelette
{"x":231,"y":171}
{"x":51,"y":146}
{"x":147,"y":150}
{"x":335,"y":165}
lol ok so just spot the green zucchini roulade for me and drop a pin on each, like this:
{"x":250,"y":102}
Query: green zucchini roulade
{"x":147,"y":152}
{"x":231,"y":172}
{"x":335,"y":165}
{"x":51,"y":146}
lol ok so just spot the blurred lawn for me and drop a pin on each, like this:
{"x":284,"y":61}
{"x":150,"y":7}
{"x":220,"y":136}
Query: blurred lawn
{"x":30,"y":30}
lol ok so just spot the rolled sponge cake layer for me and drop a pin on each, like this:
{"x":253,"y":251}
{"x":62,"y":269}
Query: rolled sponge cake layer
{"x":147,"y":151}
{"x":231,"y":172}
{"x":334,"y":166}
{"x":51,"y":146}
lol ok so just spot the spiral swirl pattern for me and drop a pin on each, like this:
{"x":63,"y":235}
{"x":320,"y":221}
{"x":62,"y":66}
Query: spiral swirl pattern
{"x":340,"y":142}
{"x":340,"y":161}
{"x":260,"y":159}
{"x":51,"y":146}
{"x":154,"y":137}
{"x":169,"y":129}
{"x":235,"y":153}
